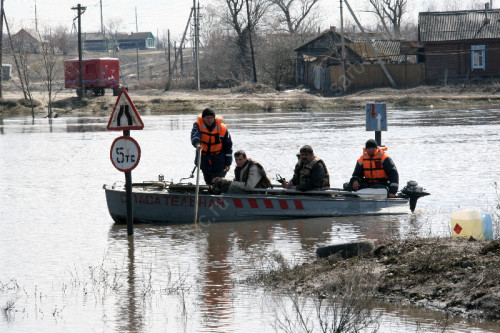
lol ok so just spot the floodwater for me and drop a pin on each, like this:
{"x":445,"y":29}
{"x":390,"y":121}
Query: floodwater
{"x":65,"y":267}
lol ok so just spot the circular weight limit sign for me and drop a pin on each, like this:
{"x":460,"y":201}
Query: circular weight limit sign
{"x":125,"y":153}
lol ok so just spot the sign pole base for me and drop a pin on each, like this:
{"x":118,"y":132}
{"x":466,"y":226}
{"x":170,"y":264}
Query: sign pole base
{"x":128,"y":190}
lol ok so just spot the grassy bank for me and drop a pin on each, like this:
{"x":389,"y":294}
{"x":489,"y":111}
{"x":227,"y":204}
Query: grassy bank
{"x":457,"y":276}
{"x":258,"y":98}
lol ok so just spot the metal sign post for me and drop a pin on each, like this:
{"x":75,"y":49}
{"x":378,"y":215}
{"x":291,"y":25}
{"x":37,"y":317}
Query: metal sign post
{"x":376,"y":119}
{"x":125,"y":151}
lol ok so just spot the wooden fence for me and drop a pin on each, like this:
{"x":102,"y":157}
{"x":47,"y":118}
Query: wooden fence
{"x":372,"y":76}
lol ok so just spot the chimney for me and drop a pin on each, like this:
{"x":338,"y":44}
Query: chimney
{"x":486,"y":6}
{"x":332,"y":28}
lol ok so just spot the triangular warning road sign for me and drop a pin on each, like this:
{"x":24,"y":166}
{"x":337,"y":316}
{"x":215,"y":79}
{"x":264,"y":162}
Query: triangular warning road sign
{"x":124,"y":115}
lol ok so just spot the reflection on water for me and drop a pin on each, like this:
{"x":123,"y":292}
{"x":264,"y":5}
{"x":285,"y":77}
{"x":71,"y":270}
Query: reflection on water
{"x":129,"y":316}
{"x":81,"y":273}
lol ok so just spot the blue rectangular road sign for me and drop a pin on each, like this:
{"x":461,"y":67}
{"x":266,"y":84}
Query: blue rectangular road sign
{"x":376,"y":117}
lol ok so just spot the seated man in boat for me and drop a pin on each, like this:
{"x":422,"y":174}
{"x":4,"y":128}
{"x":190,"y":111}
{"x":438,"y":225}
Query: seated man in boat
{"x":212,"y":136}
{"x":248,"y":175}
{"x":375,"y":169}
{"x":310,"y":172}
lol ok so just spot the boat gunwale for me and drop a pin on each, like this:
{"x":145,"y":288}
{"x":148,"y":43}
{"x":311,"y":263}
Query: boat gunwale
{"x":294,"y":196}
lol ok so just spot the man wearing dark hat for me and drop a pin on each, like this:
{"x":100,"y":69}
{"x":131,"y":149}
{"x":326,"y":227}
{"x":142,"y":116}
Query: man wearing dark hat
{"x":310,"y":172}
{"x":211,"y":136}
{"x":375,"y":169}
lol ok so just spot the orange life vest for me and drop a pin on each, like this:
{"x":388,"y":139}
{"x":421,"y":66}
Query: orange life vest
{"x":373,"y":170}
{"x":211,"y":143}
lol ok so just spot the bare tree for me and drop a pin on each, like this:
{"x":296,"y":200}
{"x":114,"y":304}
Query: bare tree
{"x":390,"y":13}
{"x":236,"y":18}
{"x":49,"y":66}
{"x":111,"y":28}
{"x":63,"y":40}
{"x":278,"y":59}
{"x":294,"y":14}
{"x":20,"y":53}
{"x":452,"y":5}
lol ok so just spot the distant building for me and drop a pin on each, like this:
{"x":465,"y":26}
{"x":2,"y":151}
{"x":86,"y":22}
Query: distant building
{"x":141,"y":40}
{"x":307,"y":54}
{"x":98,"y":42}
{"x":460,"y":44}
{"x":319,"y":62}
{"x":25,"y":41}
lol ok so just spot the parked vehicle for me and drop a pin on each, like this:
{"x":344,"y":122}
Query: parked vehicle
{"x":98,"y":74}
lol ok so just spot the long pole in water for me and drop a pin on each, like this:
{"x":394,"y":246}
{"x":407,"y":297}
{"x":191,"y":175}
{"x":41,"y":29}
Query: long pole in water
{"x":197,"y":186}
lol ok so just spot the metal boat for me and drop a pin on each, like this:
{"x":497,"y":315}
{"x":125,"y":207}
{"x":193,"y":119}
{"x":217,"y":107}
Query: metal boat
{"x":164,"y":202}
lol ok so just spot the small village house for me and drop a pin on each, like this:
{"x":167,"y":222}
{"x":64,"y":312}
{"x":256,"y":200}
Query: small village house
{"x":319,"y":62}
{"x":27,"y":40}
{"x":460,"y":44}
{"x":97,"y":42}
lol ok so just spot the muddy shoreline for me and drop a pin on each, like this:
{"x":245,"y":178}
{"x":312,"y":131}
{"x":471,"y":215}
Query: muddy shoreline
{"x":259,"y":99}
{"x":456,"y":276}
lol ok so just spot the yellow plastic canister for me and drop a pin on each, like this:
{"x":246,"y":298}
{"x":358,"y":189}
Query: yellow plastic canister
{"x":467,"y":223}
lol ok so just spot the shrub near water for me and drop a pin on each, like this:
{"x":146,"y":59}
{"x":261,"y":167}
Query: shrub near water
{"x":17,"y":106}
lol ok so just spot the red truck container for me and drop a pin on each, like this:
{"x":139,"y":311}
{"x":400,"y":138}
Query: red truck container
{"x":98,"y":74}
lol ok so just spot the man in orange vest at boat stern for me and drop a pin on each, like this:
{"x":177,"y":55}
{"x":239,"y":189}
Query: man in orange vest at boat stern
{"x":375,"y":169}
{"x":211,"y":136}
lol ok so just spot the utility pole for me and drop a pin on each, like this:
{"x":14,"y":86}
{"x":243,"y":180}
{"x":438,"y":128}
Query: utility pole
{"x":136,"y":25}
{"x":102,"y":24}
{"x":196,"y":42}
{"x":251,"y":44}
{"x":137,"y":55}
{"x":80,"y":10}
{"x":344,"y":80}
{"x":36,"y":19}
{"x":1,"y":47}
{"x":169,"y":66}
{"x":182,"y":59}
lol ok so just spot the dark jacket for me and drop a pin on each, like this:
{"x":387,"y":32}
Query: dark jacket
{"x":317,"y":178}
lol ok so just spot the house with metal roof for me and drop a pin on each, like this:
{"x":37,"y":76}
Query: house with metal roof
{"x":319,"y":60}
{"x":98,"y":42}
{"x":318,"y":49}
{"x":460,"y":44}
{"x":140,"y":40}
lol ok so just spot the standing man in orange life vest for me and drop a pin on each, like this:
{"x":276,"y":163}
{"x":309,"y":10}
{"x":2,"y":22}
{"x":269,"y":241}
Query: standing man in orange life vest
{"x":211,"y":136}
{"x":374,"y":169}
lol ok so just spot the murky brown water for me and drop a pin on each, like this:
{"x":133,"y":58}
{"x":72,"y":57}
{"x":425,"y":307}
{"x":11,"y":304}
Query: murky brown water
{"x":66,"y":267}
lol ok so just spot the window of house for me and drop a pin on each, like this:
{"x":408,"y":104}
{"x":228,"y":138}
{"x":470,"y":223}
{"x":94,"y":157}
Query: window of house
{"x":150,"y":43}
{"x":478,"y":56}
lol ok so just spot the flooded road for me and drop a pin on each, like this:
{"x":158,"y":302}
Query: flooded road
{"x":66,"y":267}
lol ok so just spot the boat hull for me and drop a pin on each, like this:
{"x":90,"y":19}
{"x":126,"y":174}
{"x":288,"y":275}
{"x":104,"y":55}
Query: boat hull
{"x":162,"y":206}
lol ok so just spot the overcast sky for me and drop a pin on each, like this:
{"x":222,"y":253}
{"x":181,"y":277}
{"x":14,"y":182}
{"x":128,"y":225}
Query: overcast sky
{"x":157,"y":16}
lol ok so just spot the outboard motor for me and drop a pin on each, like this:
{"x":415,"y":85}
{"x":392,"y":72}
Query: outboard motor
{"x":413,"y":192}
